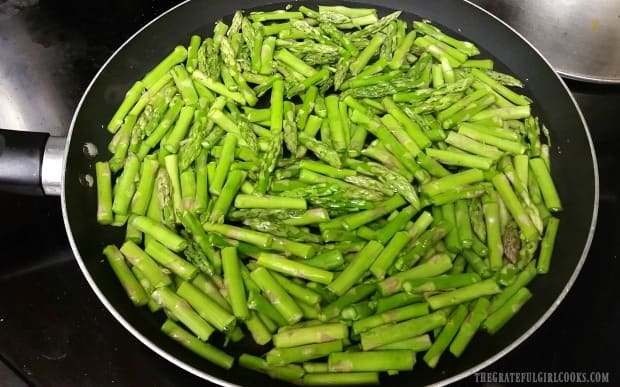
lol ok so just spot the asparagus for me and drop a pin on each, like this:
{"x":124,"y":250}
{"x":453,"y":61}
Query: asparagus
{"x":207,"y":308}
{"x":234,"y":283}
{"x":181,"y":310}
{"x":290,"y":372}
{"x":294,"y":268}
{"x":133,"y":234}
{"x":203,"y":349}
{"x":260,"y":304}
{"x":522,"y":280}
{"x":391,"y":333}
{"x":260,"y":333}
{"x":104,"y":193}
{"x":476,"y":263}
{"x":515,"y":207}
{"x":304,"y":296}
{"x":302,"y":353}
{"x":501,"y":89}
{"x":466,"y":293}
{"x":351,"y":296}
{"x":315,"y":368}
{"x":452,"y":240}
{"x":359,"y":310}
{"x":256,"y":238}
{"x":359,"y":219}
{"x":356,"y":269}
{"x":439,"y":264}
{"x":125,"y":186}
{"x":440,"y":283}
{"x":132,"y":287}
{"x":269,"y":162}
{"x":547,"y":244}
{"x":341,"y":379}
{"x":224,"y":163}
{"x":315,"y":334}
{"x":397,"y":300}
{"x":490,"y":171}
{"x":470,"y":325}
{"x":431,"y":357}
{"x":227,"y":195}
{"x":166,"y":237}
{"x":394,"y":315}
{"x":460,"y":159}
{"x":250,"y":201}
{"x":387,"y":256}
{"x":547,"y":188}
{"x":280,"y":229}
{"x":501,"y":316}
{"x":418,"y":247}
{"x":329,"y":260}
{"x":276,"y":294}
{"x":142,"y":195}
{"x":170,"y":260}
{"x":401,"y":360}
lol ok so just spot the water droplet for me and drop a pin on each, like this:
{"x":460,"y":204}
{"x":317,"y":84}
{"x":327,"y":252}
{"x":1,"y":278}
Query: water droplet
{"x":86,"y":180}
{"x":90,"y":150}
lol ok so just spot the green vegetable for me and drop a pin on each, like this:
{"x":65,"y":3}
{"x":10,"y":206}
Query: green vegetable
{"x":302,"y":171}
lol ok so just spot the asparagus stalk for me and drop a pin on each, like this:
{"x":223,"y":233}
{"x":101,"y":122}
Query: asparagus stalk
{"x":131,"y":97}
{"x":260,"y":304}
{"x":197,"y":346}
{"x":415,"y":344}
{"x":170,"y":260}
{"x":132,"y":287}
{"x":397,"y":300}
{"x":294,"y":268}
{"x":395,"y":315}
{"x":207,"y":308}
{"x":183,"y":312}
{"x":276,"y":294}
{"x":125,"y":186}
{"x":290,"y":372}
{"x":431,"y":357}
{"x":466,"y":293}
{"x":493,"y":231}
{"x":302,"y":353}
{"x":165,"y":236}
{"x":440,"y":283}
{"x":234,"y":283}
{"x":351,"y":296}
{"x":104,"y":193}
{"x":259,"y":332}
{"x":341,"y":379}
{"x":522,"y":280}
{"x":251,"y":201}
{"x":501,"y":316}
{"x":387,"y":256}
{"x":400,"y":360}
{"x":356,"y":269}
{"x":315,"y":334}
{"x":547,"y":188}
{"x":439,"y":264}
{"x":391,"y":333}
{"x":547,"y":244}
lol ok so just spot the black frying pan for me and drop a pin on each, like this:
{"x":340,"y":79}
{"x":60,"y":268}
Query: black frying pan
{"x":573,"y":164}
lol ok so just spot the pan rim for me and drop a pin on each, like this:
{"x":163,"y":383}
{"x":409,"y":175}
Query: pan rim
{"x":484,"y":364}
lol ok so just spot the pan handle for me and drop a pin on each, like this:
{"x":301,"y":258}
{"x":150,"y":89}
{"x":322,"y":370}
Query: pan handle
{"x":31,"y":163}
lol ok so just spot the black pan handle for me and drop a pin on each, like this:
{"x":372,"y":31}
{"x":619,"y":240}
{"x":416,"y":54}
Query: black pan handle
{"x":30,"y":162}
